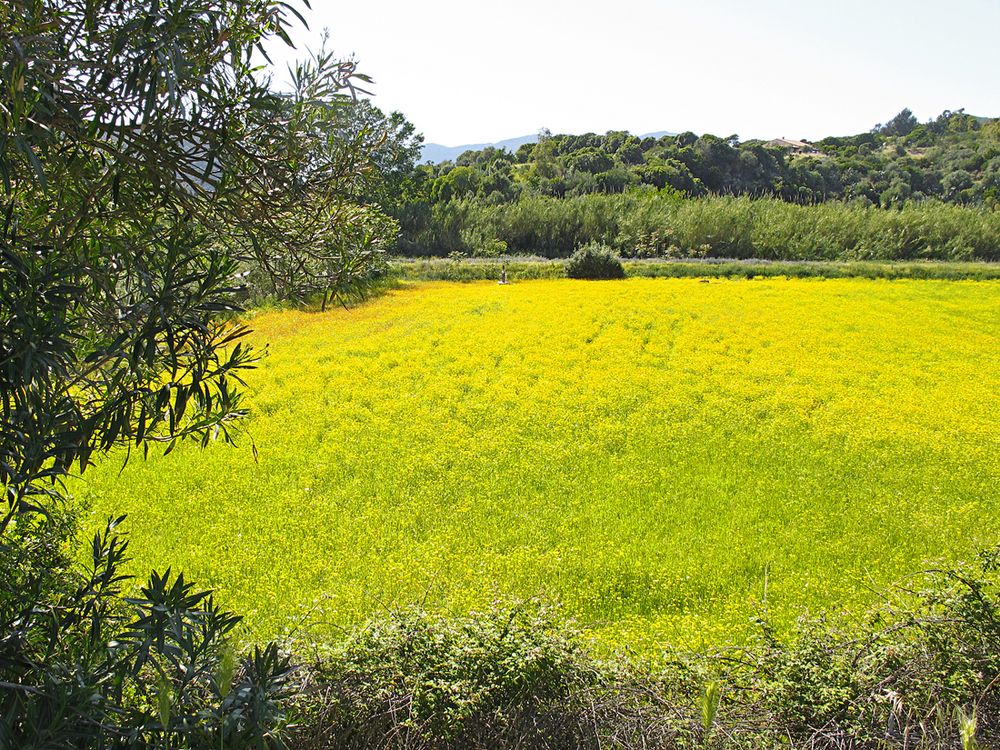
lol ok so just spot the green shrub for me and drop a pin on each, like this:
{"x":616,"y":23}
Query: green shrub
{"x":515,"y":676}
{"x":594,"y":261}
{"x":921,"y":670}
{"x":84,"y":662}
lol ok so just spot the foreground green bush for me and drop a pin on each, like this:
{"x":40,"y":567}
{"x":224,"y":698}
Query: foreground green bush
{"x":87,"y":662}
{"x":508,"y":677}
{"x":594,"y":261}
{"x":916,"y":672}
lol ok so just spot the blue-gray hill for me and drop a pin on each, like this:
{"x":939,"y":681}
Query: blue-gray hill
{"x":435,"y":153}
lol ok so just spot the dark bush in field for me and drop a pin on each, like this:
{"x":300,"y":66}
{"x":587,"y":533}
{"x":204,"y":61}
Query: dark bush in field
{"x":594,"y":261}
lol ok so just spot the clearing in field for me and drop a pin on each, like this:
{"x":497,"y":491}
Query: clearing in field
{"x":655,"y":454}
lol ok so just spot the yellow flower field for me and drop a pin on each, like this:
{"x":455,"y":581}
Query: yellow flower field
{"x":655,"y":454}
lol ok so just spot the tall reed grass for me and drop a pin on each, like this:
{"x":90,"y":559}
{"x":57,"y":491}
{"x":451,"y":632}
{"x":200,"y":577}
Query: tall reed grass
{"x":650,"y":224}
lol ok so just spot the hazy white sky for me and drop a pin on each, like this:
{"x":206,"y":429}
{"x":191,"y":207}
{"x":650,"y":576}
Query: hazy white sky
{"x":467,"y":72}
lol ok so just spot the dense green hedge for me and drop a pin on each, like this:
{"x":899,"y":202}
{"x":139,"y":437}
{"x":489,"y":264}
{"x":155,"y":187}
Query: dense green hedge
{"x":525,"y":269}
{"x":662,"y":224}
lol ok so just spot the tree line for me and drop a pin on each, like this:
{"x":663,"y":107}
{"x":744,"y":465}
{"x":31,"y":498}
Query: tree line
{"x":953,"y":159}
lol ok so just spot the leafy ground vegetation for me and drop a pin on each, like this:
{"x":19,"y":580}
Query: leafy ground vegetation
{"x":666,"y":458}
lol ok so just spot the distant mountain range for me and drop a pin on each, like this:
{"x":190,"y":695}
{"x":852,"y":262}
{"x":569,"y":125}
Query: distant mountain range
{"x":435,"y":153}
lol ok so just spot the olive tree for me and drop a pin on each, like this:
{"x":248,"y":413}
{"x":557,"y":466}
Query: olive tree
{"x":146,"y":168}
{"x":322,"y":235}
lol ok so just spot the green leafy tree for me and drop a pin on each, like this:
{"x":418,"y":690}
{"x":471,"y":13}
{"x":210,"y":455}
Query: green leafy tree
{"x":544,"y":162}
{"x":630,"y":152}
{"x":954,"y":183}
{"x":144,"y":165}
{"x":590,"y":160}
{"x":614,"y":180}
{"x":145,"y":168}
{"x":459,"y":182}
{"x":902,"y":124}
{"x":392,"y":146}
{"x":325,"y":234}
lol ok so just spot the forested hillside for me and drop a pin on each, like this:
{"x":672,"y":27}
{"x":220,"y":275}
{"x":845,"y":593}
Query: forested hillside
{"x":954,"y":158}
